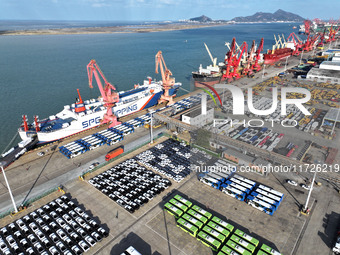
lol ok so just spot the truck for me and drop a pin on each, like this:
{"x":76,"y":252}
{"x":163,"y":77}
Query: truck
{"x":114,"y":153}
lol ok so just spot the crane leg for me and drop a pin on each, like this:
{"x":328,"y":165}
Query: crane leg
{"x":109,"y":117}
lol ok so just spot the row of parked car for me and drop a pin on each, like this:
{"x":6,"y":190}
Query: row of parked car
{"x":293,"y":116}
{"x":59,"y":227}
{"x":129,"y":184}
{"x":170,"y":158}
{"x":260,"y":137}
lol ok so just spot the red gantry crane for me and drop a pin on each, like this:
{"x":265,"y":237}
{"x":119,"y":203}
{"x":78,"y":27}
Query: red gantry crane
{"x":237,"y":59}
{"x":310,"y":42}
{"x":293,"y":38}
{"x":168,"y":81}
{"x":331,"y":34}
{"x":256,"y":67}
{"x":322,"y":38}
{"x":248,"y":70}
{"x":109,"y":95}
{"x":233,"y":59}
{"x":229,"y":59}
{"x":307,"y":26}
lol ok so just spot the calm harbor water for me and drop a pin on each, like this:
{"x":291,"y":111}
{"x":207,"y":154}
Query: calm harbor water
{"x":40,"y":74}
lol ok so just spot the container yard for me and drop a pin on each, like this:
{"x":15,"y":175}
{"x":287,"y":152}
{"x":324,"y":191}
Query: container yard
{"x":178,"y":178}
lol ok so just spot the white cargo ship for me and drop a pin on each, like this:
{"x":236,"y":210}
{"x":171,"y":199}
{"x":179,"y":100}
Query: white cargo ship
{"x":85,"y":115}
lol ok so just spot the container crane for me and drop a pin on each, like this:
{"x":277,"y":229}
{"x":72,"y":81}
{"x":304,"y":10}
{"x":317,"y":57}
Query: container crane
{"x":322,"y":38}
{"x":248,"y":70}
{"x":297,"y":44}
{"x":237,"y":60}
{"x":108,"y":93}
{"x":168,"y":82}
{"x":238,"y":48}
{"x":333,"y":33}
{"x":328,"y":37}
{"x":281,"y":41}
{"x":277,"y":43}
{"x":311,"y":42}
{"x":256,"y":67}
{"x":229,"y":59}
{"x":284,"y":40}
{"x":307,"y":26}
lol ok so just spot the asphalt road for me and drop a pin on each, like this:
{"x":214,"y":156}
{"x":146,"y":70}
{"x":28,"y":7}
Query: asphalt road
{"x":33,"y":189}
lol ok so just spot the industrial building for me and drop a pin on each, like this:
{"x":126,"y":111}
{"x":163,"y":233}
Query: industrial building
{"x":330,"y":65}
{"x":255,"y":164}
{"x":335,"y":52}
{"x":198,"y":118}
{"x":324,"y":75}
{"x":333,"y":115}
{"x":336,"y":59}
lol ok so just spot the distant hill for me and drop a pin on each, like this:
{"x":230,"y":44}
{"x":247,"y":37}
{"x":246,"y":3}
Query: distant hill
{"x":202,"y":18}
{"x":277,"y":16}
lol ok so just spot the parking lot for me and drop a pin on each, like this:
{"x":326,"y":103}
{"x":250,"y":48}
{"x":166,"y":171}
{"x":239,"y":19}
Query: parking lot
{"x":153,"y":231}
{"x":59,"y":226}
{"x":130,"y":185}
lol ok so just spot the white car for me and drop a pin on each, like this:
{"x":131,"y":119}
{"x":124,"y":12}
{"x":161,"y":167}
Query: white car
{"x":305,"y":186}
{"x":3,"y":246}
{"x":93,"y":165}
{"x":292,"y":182}
{"x":90,"y":240}
{"x":85,"y":247}
{"x":41,"y":153}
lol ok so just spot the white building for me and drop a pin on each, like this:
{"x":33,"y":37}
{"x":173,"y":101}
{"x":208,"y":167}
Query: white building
{"x":196,"y":118}
{"x":330,"y":65}
{"x":335,"y":52}
{"x":336,"y":59}
{"x":324,"y":75}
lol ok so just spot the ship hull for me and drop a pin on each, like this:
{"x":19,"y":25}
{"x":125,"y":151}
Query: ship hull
{"x":276,"y":56}
{"x":200,"y":80}
{"x":93,"y":120}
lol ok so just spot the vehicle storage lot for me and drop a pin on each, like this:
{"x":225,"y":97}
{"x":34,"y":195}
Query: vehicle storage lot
{"x":60,"y":224}
{"x":153,"y":231}
{"x":151,"y":226}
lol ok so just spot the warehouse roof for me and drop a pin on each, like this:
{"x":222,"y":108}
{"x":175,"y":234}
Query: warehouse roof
{"x":196,"y":112}
{"x":330,"y":63}
{"x":333,"y":114}
{"x":324,"y":73}
{"x":238,"y":155}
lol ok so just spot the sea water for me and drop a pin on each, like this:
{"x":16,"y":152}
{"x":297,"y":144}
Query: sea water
{"x":39,"y":74}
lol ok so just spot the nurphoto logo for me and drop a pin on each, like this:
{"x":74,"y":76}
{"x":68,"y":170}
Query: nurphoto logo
{"x":238,"y":100}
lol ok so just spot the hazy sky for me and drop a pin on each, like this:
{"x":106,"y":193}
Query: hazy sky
{"x":159,"y":9}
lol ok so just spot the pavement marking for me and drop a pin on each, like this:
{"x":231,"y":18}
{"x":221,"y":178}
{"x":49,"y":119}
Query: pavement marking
{"x":152,"y":218}
{"x":166,"y":240}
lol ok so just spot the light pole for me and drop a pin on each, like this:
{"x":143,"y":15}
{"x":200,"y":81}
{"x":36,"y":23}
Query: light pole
{"x":336,"y":120}
{"x":151,"y":124}
{"x":9,"y":189}
{"x":301,"y":58}
{"x":286,"y":63}
{"x":264,"y":67}
{"x":309,"y":193}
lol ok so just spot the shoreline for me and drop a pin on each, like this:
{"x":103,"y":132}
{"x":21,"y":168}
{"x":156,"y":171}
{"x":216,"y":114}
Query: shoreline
{"x":110,"y":30}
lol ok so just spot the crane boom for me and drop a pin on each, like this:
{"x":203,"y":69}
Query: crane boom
{"x":247,"y":70}
{"x":108,"y":93}
{"x":213,"y":60}
{"x":166,"y":74}
{"x":256,"y":67}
